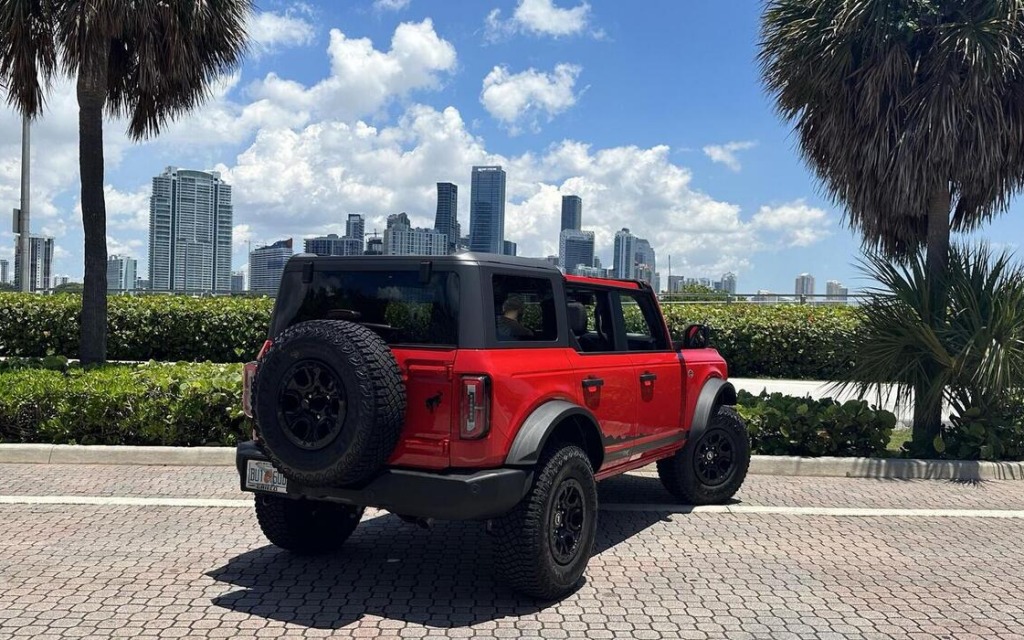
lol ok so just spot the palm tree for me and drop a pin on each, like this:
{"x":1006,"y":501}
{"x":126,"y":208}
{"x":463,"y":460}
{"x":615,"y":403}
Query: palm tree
{"x":145,"y":60}
{"x":911,"y":112}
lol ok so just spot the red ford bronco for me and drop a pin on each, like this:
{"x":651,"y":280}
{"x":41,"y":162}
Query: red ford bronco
{"x":477,"y":387}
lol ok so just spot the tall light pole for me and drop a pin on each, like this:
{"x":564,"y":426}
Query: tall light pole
{"x":25,"y":238}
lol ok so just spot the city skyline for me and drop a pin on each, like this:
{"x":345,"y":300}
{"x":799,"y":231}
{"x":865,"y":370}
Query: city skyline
{"x":646,"y":128}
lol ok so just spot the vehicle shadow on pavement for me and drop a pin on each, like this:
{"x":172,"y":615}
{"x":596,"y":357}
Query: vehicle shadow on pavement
{"x":442,"y":577}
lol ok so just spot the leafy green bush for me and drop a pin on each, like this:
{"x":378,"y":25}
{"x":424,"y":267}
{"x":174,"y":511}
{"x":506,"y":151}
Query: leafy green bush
{"x":184,"y":404}
{"x":780,"y":341}
{"x":788,"y":425}
{"x":774,"y":341}
{"x":986,"y":434}
{"x":142,"y":328}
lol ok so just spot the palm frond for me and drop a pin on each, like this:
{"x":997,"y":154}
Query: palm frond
{"x":28,"y":52}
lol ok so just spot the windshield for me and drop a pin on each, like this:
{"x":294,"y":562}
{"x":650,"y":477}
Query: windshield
{"x":397,"y":305}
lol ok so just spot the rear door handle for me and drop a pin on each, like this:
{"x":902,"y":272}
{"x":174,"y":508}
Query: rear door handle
{"x":592,"y":383}
{"x":648,"y":378}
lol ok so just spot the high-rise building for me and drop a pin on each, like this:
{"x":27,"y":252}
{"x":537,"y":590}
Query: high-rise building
{"x":835,"y":291}
{"x":238,"y":282}
{"x":645,"y":256}
{"x":266,"y":266}
{"x":446,"y":220}
{"x":729,"y":283}
{"x":487,"y":210}
{"x":355,"y":227}
{"x":400,"y":239}
{"x":624,"y":265}
{"x":141,"y":284}
{"x":4,"y":268}
{"x":40,"y":263}
{"x":572,"y":212}
{"x":375,"y":246}
{"x":552,"y":260}
{"x":805,"y":284}
{"x":509,"y":248}
{"x":575,"y":249}
{"x":121,"y":273}
{"x":60,"y":280}
{"x":190,"y":227}
{"x":332,"y":245}
{"x":676,"y":284}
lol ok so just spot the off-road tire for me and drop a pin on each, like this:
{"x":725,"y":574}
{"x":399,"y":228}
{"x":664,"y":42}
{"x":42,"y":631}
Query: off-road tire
{"x":679,"y":474}
{"x":306,"y":527}
{"x":375,"y":401}
{"x":524,"y":552}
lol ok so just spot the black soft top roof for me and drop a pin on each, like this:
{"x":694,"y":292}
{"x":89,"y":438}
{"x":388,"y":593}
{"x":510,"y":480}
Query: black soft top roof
{"x":463,"y":260}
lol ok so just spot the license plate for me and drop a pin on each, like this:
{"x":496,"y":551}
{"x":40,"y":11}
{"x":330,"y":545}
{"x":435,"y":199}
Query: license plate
{"x":262,"y":476}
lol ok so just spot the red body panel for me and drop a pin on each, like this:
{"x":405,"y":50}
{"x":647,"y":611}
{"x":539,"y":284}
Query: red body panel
{"x":521,"y":380}
{"x":431,"y":408}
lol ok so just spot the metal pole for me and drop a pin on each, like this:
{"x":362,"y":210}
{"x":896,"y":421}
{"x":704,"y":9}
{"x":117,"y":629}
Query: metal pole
{"x":25,"y":237}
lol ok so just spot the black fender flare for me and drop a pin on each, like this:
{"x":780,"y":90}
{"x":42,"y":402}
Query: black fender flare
{"x":713,"y":394}
{"x":537,"y":428}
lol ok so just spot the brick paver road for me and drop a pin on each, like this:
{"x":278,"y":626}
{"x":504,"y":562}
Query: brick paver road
{"x":153,"y":570}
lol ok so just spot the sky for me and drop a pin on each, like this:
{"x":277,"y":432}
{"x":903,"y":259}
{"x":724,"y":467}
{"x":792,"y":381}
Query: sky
{"x":652,"y":112}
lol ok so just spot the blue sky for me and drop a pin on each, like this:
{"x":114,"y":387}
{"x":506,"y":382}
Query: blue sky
{"x":652,"y":112}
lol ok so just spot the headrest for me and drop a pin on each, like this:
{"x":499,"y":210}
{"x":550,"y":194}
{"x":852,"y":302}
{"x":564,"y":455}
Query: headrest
{"x":577,"y":318}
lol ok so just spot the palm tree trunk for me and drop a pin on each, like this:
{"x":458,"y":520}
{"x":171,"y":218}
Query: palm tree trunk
{"x":92,"y":94}
{"x":928,"y":415}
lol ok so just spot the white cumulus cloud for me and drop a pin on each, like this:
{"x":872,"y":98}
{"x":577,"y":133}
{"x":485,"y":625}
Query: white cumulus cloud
{"x":798,"y":224}
{"x":726,"y":153}
{"x":364,"y":79}
{"x":539,"y":17}
{"x":514,"y":98}
{"x":390,"y":5}
{"x":269,"y":31}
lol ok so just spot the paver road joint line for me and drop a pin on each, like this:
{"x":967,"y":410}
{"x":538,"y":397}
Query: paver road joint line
{"x":739,"y":509}
{"x":759,"y":465}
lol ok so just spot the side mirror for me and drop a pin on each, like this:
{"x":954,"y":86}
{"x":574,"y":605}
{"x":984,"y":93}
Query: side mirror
{"x":695,"y":336}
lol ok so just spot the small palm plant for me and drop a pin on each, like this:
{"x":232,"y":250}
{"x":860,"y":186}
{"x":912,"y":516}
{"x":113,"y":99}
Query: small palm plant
{"x":972,"y":358}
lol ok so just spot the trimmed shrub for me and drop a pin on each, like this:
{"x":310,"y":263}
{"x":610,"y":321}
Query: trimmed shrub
{"x":778,"y":341}
{"x":788,"y":425}
{"x":171,"y":328}
{"x":184,"y":404}
{"x":979,"y":434}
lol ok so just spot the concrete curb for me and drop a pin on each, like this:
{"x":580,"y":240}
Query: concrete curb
{"x":759,"y":465}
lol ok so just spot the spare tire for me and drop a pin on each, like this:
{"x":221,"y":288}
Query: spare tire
{"x":329,"y":403}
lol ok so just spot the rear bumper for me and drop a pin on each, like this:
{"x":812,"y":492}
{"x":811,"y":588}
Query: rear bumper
{"x":446,"y":496}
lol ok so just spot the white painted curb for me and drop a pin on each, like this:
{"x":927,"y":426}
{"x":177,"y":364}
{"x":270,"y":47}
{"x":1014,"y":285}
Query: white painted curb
{"x":759,"y":465}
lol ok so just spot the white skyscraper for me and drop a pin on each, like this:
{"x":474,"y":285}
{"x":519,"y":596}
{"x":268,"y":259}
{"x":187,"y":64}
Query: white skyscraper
{"x":121,"y":273}
{"x":190,"y":226}
{"x":835,"y":291}
{"x":624,"y":265}
{"x":805,"y":284}
{"x":400,"y":239}
{"x":266,"y":266}
{"x":4,"y":268}
{"x":40,"y":265}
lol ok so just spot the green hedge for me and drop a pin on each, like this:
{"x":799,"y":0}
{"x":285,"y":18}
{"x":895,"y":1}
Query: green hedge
{"x":793,"y":426}
{"x":778,"y":341}
{"x":171,"y":328}
{"x":185,"y":404}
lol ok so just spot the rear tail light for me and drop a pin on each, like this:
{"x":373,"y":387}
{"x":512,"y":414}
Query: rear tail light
{"x":476,"y":407}
{"x":248,"y":373}
{"x":263,"y":350}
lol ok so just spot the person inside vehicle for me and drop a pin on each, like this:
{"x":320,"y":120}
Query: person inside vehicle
{"x":509,"y":327}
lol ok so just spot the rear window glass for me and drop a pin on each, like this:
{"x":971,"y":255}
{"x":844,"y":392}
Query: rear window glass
{"x":397,"y":305}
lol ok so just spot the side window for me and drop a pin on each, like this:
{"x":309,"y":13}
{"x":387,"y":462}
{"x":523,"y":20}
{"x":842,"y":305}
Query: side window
{"x":643,"y":326}
{"x":590,"y":320}
{"x":524,"y":309}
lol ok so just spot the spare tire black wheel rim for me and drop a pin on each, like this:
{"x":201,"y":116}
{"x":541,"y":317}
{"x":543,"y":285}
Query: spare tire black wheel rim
{"x":715,"y":457}
{"x":312,"y":405}
{"x":568,"y":517}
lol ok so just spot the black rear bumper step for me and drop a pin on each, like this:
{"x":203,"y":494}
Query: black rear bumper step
{"x":445,"y":496}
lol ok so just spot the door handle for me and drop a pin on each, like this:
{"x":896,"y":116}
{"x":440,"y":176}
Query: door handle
{"x":648,"y":378}
{"x":592,"y":383}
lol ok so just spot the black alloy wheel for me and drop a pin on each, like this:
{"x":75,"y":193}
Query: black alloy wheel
{"x":312,"y":405}
{"x":568,"y":520}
